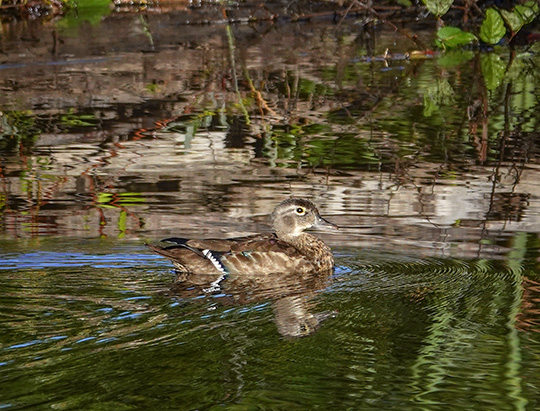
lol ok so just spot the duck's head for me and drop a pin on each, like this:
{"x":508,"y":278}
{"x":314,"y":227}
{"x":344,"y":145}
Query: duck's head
{"x":291,"y":217}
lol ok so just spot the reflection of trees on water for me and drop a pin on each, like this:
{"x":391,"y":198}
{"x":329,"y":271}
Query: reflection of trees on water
{"x":423,"y":151}
{"x":459,"y":315}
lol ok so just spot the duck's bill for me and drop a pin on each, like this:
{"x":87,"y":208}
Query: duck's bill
{"x":322,"y":223}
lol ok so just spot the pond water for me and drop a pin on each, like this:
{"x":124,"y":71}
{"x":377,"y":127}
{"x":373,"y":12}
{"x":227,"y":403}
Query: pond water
{"x":131,"y":129}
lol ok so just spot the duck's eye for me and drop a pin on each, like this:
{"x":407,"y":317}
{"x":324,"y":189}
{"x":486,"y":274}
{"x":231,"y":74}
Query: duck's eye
{"x":300,"y":211}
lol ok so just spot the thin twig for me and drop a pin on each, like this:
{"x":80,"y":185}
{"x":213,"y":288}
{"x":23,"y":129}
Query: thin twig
{"x":371,"y":10}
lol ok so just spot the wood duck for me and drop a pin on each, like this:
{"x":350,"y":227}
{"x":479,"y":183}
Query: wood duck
{"x":287,"y":250}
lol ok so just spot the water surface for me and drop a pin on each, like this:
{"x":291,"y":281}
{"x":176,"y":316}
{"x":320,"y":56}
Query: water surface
{"x":112,"y":138}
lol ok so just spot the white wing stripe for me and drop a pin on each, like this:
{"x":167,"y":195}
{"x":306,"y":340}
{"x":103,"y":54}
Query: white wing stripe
{"x":208,"y":254}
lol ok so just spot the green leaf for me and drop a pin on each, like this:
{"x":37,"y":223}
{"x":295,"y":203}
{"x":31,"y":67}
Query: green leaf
{"x":449,"y":37}
{"x":438,"y":94}
{"x":521,"y":15}
{"x":430,"y":106}
{"x":455,"y":58}
{"x":71,"y":119}
{"x":438,"y":7}
{"x":492,"y":29}
{"x":84,"y":11}
{"x":406,"y":3}
{"x":122,"y":224}
{"x":493,"y":70}
{"x":528,"y":11}
{"x":513,"y":20}
{"x":152,"y":87}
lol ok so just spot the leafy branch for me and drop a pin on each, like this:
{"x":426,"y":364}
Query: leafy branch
{"x":496,"y":24}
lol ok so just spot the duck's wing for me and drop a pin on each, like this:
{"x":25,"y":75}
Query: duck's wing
{"x":253,"y":255}
{"x":203,"y":256}
{"x":218,"y":245}
{"x":260,"y":243}
{"x":266,"y":255}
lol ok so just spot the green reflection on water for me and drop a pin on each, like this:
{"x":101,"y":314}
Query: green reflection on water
{"x":410,"y":333}
{"x":516,"y":261}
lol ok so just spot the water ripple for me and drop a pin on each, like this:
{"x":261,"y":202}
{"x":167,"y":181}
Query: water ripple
{"x":405,"y":324}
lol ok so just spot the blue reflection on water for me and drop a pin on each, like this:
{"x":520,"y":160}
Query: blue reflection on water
{"x":45,"y":259}
{"x":126,"y":315}
{"x":34,"y":342}
{"x":23,"y":345}
{"x":84,"y":340}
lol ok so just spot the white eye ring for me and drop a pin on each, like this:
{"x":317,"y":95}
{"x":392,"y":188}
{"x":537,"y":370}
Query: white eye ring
{"x":300,"y":211}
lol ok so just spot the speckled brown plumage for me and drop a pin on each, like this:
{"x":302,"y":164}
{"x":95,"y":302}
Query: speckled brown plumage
{"x":287,"y":250}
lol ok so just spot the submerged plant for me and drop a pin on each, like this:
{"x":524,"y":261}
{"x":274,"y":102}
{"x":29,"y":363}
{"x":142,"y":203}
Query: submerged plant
{"x":17,"y":128}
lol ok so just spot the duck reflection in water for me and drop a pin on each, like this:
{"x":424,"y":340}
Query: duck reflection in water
{"x":286,"y":266}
